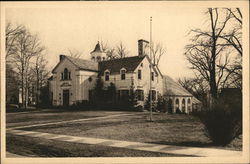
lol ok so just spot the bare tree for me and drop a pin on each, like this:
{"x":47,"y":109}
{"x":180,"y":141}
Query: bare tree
{"x":121,"y":50}
{"x":234,"y":36}
{"x":207,"y":53}
{"x":41,"y":74}
{"x":26,"y":47}
{"x":11,"y":36}
{"x":197,"y":86}
{"x":157,"y":52}
{"x":110,"y":51}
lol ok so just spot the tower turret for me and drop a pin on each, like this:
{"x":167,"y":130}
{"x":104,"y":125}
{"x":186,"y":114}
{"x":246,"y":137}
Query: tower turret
{"x":98,"y":54}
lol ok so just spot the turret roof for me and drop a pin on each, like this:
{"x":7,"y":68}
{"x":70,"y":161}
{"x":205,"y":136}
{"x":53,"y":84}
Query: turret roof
{"x":98,"y":48}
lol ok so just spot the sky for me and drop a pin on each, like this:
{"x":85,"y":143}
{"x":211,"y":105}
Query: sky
{"x":79,"y":27}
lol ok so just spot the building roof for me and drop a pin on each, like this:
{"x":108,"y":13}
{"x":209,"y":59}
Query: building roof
{"x":50,"y":78}
{"x":115,"y":65}
{"x":81,"y":64}
{"x":98,"y":48}
{"x":172,"y":88}
{"x":84,"y":64}
{"x":196,"y":101}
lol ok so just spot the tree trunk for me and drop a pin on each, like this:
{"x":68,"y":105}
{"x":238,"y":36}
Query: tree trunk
{"x":22,"y":85}
{"x":37,"y":89}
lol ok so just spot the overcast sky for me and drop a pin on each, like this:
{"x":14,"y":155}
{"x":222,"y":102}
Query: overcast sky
{"x":80,"y":27}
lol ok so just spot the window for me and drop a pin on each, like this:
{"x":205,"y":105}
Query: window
{"x":90,"y":79}
{"x":153,"y":95}
{"x":93,"y":58}
{"x":139,"y":74}
{"x":98,"y":58}
{"x":123,"y":74}
{"x":123,"y":95}
{"x":65,"y":73}
{"x":152,"y":76}
{"x":106,"y":76}
{"x":141,"y":64}
{"x":189,"y":101}
{"x":140,"y":95}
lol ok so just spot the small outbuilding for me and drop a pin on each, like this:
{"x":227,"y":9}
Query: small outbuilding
{"x":179,"y":100}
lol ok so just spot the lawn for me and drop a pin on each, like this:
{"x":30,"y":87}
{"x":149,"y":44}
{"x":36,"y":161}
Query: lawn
{"x":53,"y":115}
{"x":176,"y":129}
{"x":36,"y":147}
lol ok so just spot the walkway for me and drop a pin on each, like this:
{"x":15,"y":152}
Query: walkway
{"x":180,"y":150}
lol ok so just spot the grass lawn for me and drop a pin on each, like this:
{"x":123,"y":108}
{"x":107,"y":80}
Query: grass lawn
{"x":53,"y":115}
{"x":176,"y":129}
{"x":36,"y":147}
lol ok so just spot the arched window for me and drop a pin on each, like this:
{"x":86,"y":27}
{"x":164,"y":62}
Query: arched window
{"x":93,"y":58}
{"x":177,"y":105}
{"x":177,"y":101}
{"x":98,"y":58}
{"x":189,"y":101}
{"x":66,"y":74}
{"x":183,"y":105}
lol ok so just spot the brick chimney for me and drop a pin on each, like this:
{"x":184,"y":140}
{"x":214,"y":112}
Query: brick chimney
{"x":61,"y":57}
{"x":143,"y":48}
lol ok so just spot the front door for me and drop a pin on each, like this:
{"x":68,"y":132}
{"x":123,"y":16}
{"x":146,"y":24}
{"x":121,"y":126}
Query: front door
{"x":66,"y":98}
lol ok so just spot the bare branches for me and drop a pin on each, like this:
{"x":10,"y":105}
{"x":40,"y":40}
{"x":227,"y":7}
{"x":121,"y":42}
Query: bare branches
{"x":236,"y":14}
{"x":121,"y":50}
{"x":21,"y":47}
{"x":12,"y":34}
{"x":196,"y":86}
{"x":209,"y":51}
{"x":111,"y":53}
{"x":157,"y":52}
{"x":234,"y":37}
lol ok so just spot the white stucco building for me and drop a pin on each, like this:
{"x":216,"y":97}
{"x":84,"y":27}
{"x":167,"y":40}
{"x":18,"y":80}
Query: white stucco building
{"x":73,"y":79}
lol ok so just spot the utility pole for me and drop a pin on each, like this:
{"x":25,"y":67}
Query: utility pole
{"x":150,"y":67}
